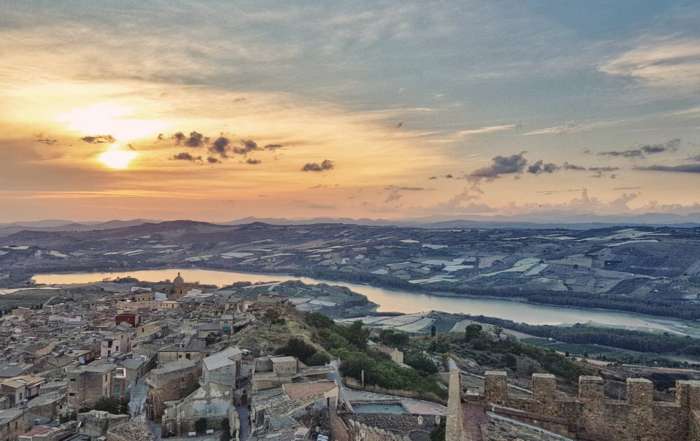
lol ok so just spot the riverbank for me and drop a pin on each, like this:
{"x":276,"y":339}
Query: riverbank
{"x":392,"y":300}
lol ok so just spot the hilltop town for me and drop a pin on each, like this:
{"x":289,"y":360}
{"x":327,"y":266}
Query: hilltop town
{"x":126,"y":360}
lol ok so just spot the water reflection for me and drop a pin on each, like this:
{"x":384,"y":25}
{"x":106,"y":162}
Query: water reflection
{"x":406,"y":302}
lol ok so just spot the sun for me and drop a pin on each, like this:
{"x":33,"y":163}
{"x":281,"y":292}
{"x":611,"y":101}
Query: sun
{"x":110,"y":119}
{"x":116,"y":158}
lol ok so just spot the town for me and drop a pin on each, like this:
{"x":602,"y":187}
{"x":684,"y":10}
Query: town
{"x":126,"y":360}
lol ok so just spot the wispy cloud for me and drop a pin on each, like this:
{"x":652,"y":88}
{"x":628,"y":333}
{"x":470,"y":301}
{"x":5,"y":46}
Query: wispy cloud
{"x":661,"y":62}
{"x":643,"y":151}
{"x":487,"y":129}
{"x":682,"y":168}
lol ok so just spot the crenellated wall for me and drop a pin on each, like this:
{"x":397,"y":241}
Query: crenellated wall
{"x":590,"y":416}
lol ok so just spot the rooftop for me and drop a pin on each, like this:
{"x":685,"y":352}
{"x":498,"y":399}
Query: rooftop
{"x":223,"y":358}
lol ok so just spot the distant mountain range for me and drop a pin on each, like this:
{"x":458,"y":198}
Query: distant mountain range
{"x":555,"y":220}
{"x":66,"y":225}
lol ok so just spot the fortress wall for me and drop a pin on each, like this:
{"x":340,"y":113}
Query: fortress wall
{"x":454,"y":423}
{"x":694,"y":426}
{"x":592,"y":416}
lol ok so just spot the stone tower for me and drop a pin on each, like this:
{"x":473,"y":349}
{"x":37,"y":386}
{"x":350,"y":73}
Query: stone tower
{"x":178,"y":290}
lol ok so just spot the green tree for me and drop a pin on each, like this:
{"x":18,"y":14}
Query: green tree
{"x":438,"y":433}
{"x":226,"y":430}
{"x":497,"y":331}
{"x":271,"y":316}
{"x":297,"y":348}
{"x":112,"y":405}
{"x":357,"y":335}
{"x":200,"y":426}
{"x":421,"y":362}
{"x":472,"y":331}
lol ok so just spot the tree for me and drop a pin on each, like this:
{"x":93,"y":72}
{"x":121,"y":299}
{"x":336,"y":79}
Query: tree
{"x":200,"y":426}
{"x":472,"y":331}
{"x":271,"y":316}
{"x":297,"y":348}
{"x":319,"y":321}
{"x":497,"y":331}
{"x":421,"y":362}
{"x":393,"y":338}
{"x":226,"y":430}
{"x":112,"y":405}
{"x":438,"y":433}
{"x":318,"y":359}
{"x":357,"y":335}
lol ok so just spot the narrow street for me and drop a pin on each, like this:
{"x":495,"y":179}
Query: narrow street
{"x":245,"y":422}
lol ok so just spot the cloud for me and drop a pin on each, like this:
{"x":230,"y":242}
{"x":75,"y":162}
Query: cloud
{"x":99,"y":139}
{"x":540,"y":167}
{"x":395,"y":192}
{"x":220,"y":146}
{"x":604,"y":171}
{"x":194,"y":140}
{"x":573,"y":167}
{"x":398,"y":188}
{"x":184,"y":156}
{"x":645,"y":150}
{"x":318,"y":167}
{"x":695,"y":158}
{"x":247,"y":146}
{"x":487,"y":129}
{"x":393,"y":196}
{"x":45,"y":140}
{"x":253,"y":161}
{"x":575,"y":127}
{"x":683,"y":168}
{"x":273,"y":147}
{"x":213,"y":160}
{"x":500,"y":165}
{"x":663,"y":62}
{"x":627,"y":188}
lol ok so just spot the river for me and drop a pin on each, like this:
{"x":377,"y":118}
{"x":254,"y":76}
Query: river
{"x":390,"y":300}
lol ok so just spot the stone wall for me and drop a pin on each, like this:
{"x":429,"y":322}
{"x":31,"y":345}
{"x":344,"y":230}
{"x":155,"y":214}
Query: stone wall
{"x":170,"y":383}
{"x":454,"y":424}
{"x":590,"y":415}
{"x":96,"y":423}
{"x":362,"y":432}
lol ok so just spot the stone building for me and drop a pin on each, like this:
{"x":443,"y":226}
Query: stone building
{"x":51,"y":405}
{"x":190,"y":348}
{"x":88,"y":383}
{"x":271,"y":372}
{"x":20,"y":389}
{"x":171,"y":382}
{"x":130,"y":318}
{"x":45,"y":433}
{"x":115,"y":343}
{"x":588,"y":416}
{"x":96,"y":423}
{"x":13,"y":422}
{"x":212,"y":403}
{"x":281,"y":409}
{"x":179,"y":288}
{"x":223,"y":367}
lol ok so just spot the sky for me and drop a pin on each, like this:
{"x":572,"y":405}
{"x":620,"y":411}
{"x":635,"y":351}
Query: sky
{"x":218,"y":110}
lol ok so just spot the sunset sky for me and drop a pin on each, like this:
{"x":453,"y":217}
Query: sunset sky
{"x":216,"y":110}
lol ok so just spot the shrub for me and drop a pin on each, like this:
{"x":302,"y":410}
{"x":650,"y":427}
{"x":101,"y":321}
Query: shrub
{"x":421,"y":362}
{"x":318,"y":359}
